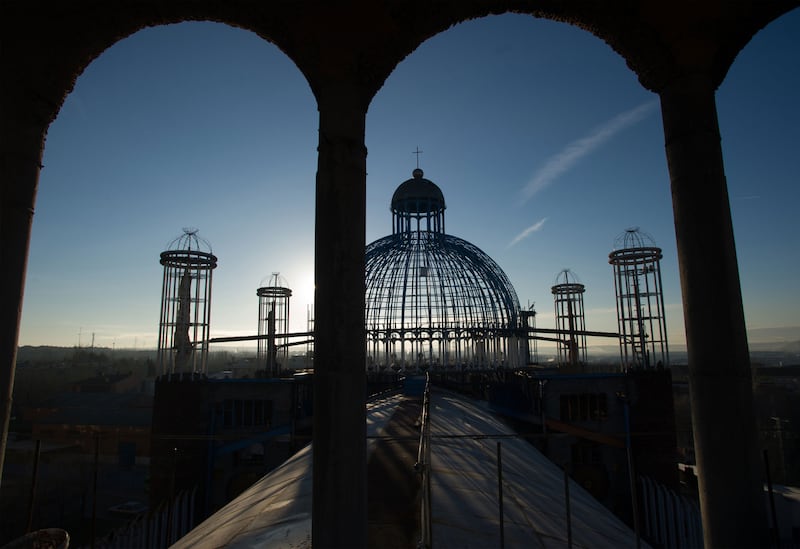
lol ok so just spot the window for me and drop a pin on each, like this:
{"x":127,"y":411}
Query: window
{"x":584,"y":407}
{"x":246,"y":413}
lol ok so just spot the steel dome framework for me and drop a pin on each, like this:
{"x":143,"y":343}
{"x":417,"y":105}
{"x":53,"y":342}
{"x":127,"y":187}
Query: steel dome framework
{"x":636,"y":261}
{"x":434,"y":300}
{"x":273,"y":322}
{"x":570,"y":318}
{"x":185,"y":320}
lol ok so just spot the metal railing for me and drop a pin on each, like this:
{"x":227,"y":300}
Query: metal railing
{"x":423,"y":468}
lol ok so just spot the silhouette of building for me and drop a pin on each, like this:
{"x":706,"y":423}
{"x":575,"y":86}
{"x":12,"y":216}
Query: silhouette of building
{"x":215,"y":437}
{"x":636,"y":261}
{"x":185,"y":321}
{"x":273,"y":321}
{"x":570,"y":318}
{"x":434,"y":300}
{"x":680,"y":51}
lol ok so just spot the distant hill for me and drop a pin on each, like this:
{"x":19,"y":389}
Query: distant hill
{"x":790,"y":347}
{"x":44,"y":353}
{"x":52,"y":354}
{"x":769,"y":346}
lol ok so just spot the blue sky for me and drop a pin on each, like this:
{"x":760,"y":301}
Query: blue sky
{"x":542,"y":140}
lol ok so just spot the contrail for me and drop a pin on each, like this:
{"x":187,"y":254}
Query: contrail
{"x":532,"y":229}
{"x":579,"y":148}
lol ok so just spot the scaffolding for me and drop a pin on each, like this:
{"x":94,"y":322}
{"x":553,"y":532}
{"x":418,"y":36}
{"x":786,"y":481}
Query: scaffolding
{"x":527,"y":319}
{"x":636,"y":261}
{"x":183,"y":333}
{"x":434,"y":300}
{"x":273,"y":325}
{"x":309,"y":359}
{"x":570,"y":319}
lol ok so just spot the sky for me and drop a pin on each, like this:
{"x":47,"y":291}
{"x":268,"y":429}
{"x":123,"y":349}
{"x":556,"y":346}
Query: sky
{"x":544,"y":143}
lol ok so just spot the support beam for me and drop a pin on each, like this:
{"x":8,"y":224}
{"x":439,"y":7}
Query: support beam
{"x":21,"y":147}
{"x":340,"y":467}
{"x":720,"y":380}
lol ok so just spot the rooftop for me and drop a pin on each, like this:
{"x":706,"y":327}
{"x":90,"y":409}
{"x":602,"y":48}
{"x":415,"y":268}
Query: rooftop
{"x":276,"y":511}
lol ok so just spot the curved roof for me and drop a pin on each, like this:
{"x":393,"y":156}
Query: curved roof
{"x":634,"y":246}
{"x":418,"y":195}
{"x":633,"y":238}
{"x":276,"y":511}
{"x":432,"y":298}
{"x":432,"y":281}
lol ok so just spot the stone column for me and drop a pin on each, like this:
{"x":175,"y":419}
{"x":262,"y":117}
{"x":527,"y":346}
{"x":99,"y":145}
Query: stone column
{"x":339,"y":447}
{"x":720,"y":381}
{"x":21,"y":147}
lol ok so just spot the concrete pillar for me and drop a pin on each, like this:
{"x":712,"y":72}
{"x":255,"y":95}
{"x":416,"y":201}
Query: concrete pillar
{"x":339,"y":444}
{"x":21,"y":147}
{"x":720,"y":384}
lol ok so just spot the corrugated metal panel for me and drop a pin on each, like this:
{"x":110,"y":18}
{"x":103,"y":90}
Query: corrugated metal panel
{"x":276,"y":511}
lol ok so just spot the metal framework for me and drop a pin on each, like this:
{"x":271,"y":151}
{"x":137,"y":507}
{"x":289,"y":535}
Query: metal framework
{"x":527,"y":320}
{"x":183,"y":332}
{"x":434,"y":300}
{"x":273,"y":321}
{"x":570,"y":320}
{"x":636,"y":261}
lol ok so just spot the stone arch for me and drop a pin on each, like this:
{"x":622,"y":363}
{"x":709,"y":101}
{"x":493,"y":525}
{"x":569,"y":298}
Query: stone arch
{"x":679,"y":49}
{"x":368,"y":40}
{"x":81,"y":42}
{"x":196,"y":75}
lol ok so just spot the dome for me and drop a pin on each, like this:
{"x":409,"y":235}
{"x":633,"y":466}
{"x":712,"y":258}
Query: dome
{"x":189,"y":240}
{"x":440,"y":282}
{"x":633,"y":238}
{"x":418,"y":195}
{"x":433,"y":299}
{"x":634,"y":246}
{"x":189,"y":250}
{"x":567,"y":283}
